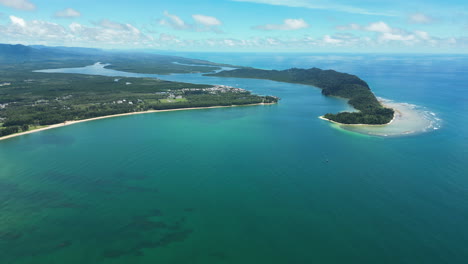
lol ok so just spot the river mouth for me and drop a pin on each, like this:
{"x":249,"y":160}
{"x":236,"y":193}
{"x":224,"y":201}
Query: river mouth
{"x":409,"y":119}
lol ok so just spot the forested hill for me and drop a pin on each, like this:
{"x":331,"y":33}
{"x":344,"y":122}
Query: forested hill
{"x":332,"y":83}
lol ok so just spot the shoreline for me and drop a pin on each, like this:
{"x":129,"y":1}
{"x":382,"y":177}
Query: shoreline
{"x":68,"y":123}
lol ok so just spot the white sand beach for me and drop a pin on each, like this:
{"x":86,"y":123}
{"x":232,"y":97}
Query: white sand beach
{"x":67,"y":123}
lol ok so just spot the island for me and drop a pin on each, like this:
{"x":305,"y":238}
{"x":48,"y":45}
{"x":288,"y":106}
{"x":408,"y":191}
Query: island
{"x":31,"y":101}
{"x":333,"y":83}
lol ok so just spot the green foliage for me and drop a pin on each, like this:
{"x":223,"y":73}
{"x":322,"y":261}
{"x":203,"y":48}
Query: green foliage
{"x":376,"y":116}
{"x":8,"y":130}
{"x":37,"y":99}
{"x":332,"y":83}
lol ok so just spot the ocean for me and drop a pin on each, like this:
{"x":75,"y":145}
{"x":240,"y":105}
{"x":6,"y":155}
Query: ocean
{"x":257,"y":184}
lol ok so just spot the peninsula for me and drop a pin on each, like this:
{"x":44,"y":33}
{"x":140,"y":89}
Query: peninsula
{"x":332,"y":83}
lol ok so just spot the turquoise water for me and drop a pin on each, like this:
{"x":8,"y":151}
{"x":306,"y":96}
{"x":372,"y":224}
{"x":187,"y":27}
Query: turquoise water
{"x":257,"y":184}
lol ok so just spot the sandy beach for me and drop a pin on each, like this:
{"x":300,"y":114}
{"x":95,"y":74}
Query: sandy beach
{"x":67,"y":123}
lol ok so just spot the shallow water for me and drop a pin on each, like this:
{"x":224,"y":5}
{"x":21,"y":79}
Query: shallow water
{"x":260,"y":184}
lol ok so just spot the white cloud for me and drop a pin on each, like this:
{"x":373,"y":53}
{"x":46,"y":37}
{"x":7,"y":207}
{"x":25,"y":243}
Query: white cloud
{"x":17,"y":21}
{"x":330,"y":40}
{"x":317,"y":5}
{"x":168,"y":38}
{"x":399,"y":37}
{"x":208,"y":21}
{"x":420,"y":18}
{"x":422,"y":35}
{"x":349,"y":27}
{"x":22,"y":30}
{"x":18,"y":4}
{"x":386,"y":33}
{"x":108,"y":24}
{"x":202,"y":23}
{"x":107,"y":31}
{"x":288,"y":24}
{"x":173,"y":21}
{"x":379,"y":27}
{"x":67,"y":13}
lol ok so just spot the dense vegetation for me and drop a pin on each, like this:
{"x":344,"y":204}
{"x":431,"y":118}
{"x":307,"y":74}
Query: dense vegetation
{"x":32,"y":99}
{"x":332,"y":83}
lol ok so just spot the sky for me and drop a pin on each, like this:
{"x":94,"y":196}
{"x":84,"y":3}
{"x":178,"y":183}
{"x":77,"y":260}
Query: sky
{"x":358,"y":26}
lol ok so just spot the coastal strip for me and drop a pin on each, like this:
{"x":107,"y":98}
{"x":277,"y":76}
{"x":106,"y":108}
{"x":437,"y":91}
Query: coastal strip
{"x":67,"y":123}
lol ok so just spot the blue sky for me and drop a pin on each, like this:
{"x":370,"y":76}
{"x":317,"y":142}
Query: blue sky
{"x":240,"y":25}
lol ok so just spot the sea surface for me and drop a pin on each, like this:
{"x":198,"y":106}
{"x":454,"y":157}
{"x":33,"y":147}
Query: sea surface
{"x":257,"y":184}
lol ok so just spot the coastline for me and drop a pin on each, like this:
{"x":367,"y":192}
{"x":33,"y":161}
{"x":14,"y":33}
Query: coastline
{"x":68,"y":123}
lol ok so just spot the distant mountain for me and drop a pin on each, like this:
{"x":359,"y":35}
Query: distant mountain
{"x":12,"y":53}
{"x":41,"y":57}
{"x":68,"y":49}
{"x":20,"y":53}
{"x":35,"y":53}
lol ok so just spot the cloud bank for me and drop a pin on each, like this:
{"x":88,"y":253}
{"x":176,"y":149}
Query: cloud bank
{"x":105,"y":32}
{"x":376,"y":36}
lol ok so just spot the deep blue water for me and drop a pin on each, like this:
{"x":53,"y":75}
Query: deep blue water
{"x":260,"y":184}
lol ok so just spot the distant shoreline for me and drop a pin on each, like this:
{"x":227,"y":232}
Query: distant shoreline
{"x":67,"y":123}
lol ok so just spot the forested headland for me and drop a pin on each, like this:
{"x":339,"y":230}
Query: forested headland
{"x":332,"y":83}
